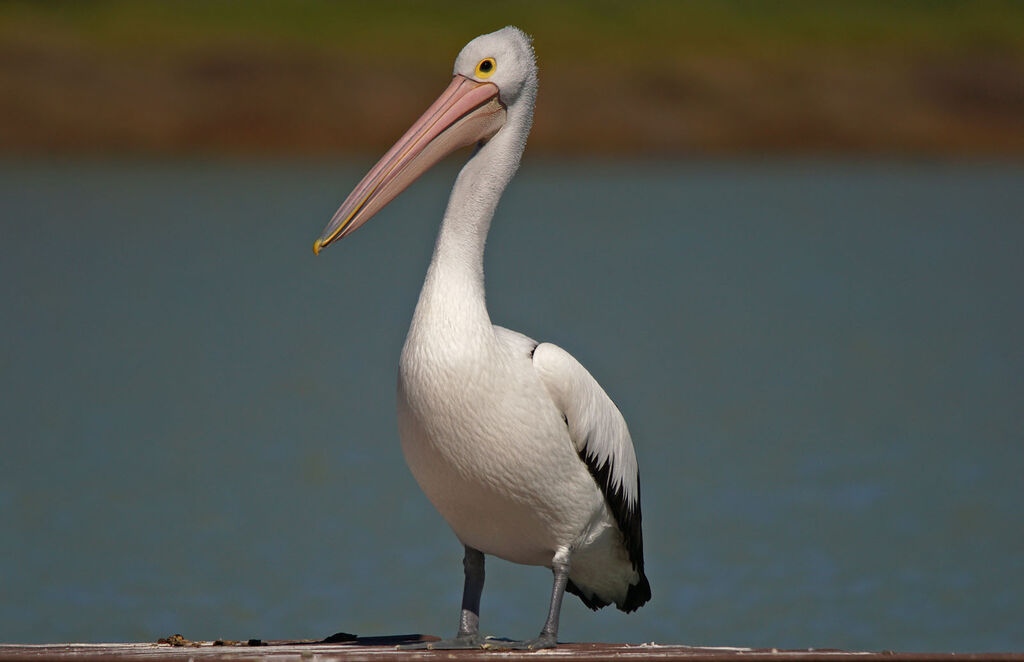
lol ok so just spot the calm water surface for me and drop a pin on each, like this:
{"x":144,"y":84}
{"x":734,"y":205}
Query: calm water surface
{"x":821,"y":365}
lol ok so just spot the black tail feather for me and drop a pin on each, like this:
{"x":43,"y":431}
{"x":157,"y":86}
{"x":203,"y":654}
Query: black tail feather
{"x":636,"y":596}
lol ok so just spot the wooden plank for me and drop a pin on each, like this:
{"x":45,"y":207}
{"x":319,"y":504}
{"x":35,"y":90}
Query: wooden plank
{"x":383,"y":649}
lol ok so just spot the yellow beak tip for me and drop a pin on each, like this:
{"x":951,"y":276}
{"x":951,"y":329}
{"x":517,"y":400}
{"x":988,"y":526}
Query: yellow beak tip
{"x":317,"y":245}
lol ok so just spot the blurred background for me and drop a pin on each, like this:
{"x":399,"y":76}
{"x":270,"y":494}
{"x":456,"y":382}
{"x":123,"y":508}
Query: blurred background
{"x":786,"y":237}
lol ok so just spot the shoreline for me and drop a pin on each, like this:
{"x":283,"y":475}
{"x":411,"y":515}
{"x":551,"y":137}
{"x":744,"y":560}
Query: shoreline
{"x":820,"y":80}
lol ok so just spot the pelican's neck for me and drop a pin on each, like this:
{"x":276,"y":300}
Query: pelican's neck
{"x":453,"y":293}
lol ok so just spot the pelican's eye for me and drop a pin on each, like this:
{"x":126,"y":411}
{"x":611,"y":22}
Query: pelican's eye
{"x":486,"y":67}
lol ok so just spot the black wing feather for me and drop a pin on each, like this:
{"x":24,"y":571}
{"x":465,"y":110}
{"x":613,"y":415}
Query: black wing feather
{"x":629,"y":519}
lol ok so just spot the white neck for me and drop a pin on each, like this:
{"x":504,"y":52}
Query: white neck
{"x":453,"y":292}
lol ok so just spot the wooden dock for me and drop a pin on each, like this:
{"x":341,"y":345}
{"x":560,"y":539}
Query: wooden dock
{"x":349,"y":648}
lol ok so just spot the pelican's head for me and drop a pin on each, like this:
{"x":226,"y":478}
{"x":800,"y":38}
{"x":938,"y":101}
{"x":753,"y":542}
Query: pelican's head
{"x":494,"y":74}
{"x":503,"y":58}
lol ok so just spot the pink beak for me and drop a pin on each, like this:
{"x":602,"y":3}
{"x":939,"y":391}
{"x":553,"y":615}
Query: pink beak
{"x":466,"y":113}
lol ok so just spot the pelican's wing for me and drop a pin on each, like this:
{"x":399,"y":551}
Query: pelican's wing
{"x":601,"y":438}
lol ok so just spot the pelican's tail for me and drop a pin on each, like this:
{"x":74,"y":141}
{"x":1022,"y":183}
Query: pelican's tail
{"x":636,"y":596}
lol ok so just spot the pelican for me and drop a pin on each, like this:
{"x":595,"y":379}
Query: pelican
{"x":513,"y":441}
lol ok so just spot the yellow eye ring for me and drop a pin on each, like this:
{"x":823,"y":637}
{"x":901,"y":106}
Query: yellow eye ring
{"x":485,"y":68}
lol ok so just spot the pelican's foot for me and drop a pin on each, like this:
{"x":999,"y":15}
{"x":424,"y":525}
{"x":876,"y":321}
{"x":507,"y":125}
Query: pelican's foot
{"x":462,"y":642}
{"x":543,"y":641}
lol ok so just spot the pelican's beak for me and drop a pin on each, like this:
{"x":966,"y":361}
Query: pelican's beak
{"x":467,"y":112}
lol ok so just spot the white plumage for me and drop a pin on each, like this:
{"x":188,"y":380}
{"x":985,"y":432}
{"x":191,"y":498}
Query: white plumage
{"x":514,"y":442}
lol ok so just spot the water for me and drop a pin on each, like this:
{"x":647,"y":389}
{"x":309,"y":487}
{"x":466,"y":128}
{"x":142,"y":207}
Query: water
{"x":821,"y":365}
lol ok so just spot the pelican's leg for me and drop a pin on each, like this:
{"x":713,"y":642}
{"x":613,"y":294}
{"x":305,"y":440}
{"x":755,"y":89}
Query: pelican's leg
{"x":549,"y":633}
{"x":469,"y":619}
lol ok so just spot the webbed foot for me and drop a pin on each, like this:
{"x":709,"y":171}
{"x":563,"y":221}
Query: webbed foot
{"x":545,"y":640}
{"x":462,"y":642}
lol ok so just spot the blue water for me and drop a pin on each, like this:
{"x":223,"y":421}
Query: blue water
{"x":821,"y":364}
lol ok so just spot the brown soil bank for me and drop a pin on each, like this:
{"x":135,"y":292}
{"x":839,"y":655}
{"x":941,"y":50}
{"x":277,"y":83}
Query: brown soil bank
{"x":312,"y":78}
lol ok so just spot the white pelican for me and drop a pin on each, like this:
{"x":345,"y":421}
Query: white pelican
{"x":513,"y":441}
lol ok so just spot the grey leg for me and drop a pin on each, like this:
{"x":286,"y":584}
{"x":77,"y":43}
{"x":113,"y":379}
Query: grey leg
{"x":549,"y":633}
{"x":469,"y":619}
